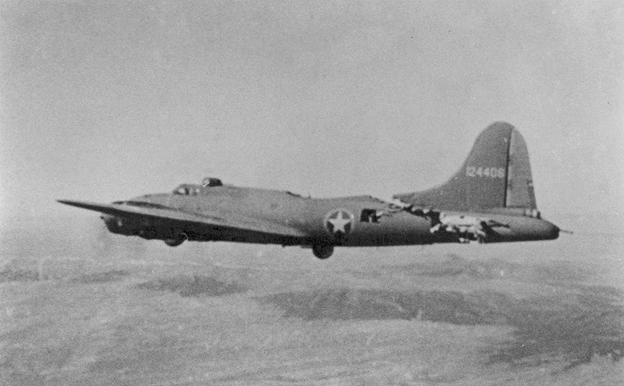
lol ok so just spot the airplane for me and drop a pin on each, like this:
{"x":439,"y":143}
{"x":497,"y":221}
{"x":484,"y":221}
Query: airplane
{"x":490,"y":199}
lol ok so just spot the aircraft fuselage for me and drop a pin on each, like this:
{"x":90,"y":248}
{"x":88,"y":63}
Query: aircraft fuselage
{"x":346,"y":221}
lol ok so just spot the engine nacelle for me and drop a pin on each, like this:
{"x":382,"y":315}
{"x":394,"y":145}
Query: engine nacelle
{"x":120,"y":225}
{"x":130,"y":227}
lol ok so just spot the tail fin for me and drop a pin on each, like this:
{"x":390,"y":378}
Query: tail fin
{"x":496,"y":174}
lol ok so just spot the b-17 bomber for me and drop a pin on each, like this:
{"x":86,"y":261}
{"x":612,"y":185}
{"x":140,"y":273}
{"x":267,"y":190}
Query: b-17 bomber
{"x":489,"y":200}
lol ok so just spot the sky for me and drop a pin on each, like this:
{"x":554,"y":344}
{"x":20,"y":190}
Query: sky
{"x":106,"y":100}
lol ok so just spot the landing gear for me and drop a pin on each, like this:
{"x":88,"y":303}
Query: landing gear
{"x":322,"y":251}
{"x":174,"y":242}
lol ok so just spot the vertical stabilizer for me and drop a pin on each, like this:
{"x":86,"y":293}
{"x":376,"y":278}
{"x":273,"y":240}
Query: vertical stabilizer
{"x":496,"y":174}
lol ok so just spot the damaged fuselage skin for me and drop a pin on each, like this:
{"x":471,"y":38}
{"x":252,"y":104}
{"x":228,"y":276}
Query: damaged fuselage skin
{"x":489,"y":200}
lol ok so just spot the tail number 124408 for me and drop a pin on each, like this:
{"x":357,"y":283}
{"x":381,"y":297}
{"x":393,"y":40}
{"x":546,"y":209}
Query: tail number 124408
{"x":488,"y":172}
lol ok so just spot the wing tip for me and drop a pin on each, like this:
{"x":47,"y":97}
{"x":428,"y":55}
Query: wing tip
{"x":84,"y":205}
{"x":70,"y":202}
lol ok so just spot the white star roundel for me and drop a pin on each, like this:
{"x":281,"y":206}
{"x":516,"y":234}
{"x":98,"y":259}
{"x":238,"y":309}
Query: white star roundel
{"x":339,"y":222}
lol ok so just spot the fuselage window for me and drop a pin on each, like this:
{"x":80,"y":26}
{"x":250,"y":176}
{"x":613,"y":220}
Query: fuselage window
{"x":370,"y":215}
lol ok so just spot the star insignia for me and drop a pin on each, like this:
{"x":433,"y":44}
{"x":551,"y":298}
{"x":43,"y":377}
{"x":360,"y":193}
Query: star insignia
{"x":339,"y":222}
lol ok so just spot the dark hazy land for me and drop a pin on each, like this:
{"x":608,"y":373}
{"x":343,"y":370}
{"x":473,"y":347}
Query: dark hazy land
{"x":80,"y":306}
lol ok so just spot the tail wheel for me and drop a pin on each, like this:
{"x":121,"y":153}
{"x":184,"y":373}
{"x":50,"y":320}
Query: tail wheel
{"x":174,"y":242}
{"x":322,"y":251}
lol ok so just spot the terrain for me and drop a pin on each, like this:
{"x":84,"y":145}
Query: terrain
{"x":81,"y":306}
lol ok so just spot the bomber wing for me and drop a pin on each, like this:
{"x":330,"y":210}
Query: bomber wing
{"x":209,"y":220}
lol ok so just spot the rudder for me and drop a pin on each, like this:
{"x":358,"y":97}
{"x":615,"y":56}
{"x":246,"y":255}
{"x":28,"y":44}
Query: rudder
{"x":520,"y":192}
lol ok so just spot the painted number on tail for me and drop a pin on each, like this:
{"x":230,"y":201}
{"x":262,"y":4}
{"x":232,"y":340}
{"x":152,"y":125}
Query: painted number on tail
{"x":487,"y":172}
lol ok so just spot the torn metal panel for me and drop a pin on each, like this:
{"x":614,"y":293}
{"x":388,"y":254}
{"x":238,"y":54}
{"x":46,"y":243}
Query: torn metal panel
{"x":461,"y":228}
{"x":465,"y":228}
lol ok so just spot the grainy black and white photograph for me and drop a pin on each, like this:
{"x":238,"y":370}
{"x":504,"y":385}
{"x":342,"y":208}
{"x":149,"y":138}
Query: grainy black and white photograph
{"x":340,"y":192}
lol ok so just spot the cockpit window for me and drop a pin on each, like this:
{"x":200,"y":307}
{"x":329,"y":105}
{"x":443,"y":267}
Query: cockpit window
{"x":188,"y":190}
{"x":181,"y":190}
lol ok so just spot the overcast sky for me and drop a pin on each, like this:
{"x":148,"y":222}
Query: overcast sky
{"x":105,"y":100}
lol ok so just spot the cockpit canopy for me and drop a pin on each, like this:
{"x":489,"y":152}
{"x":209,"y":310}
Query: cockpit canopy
{"x":187,"y":190}
{"x":193,"y":190}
